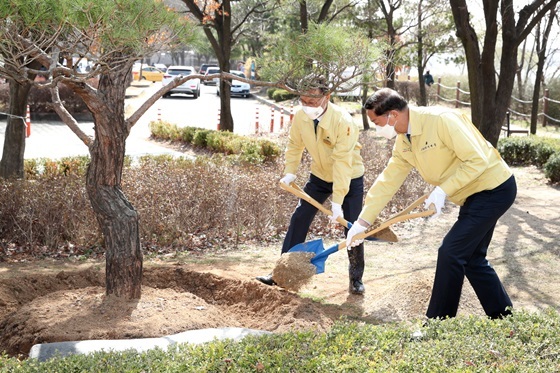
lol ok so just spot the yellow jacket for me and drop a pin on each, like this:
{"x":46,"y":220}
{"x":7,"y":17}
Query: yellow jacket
{"x":447,"y":150}
{"x":335,"y":150}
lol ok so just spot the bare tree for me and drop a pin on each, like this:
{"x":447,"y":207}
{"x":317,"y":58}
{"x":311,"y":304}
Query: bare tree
{"x":433,"y":27}
{"x":491,"y":87}
{"x":223,"y":25}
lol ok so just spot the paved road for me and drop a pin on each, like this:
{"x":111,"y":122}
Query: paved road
{"x":53,"y":139}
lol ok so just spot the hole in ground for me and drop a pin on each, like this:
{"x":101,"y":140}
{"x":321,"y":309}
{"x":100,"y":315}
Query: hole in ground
{"x":72,"y":306}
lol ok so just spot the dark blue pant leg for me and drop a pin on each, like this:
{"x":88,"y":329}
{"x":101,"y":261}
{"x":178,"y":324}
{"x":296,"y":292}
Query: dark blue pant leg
{"x":352,"y":206}
{"x":304,"y":213}
{"x":486,"y":283}
{"x":463,"y":252}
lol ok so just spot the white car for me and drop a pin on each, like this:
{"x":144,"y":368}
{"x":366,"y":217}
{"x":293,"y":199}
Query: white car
{"x":238,"y":88}
{"x":190,"y":87}
{"x":209,"y":71}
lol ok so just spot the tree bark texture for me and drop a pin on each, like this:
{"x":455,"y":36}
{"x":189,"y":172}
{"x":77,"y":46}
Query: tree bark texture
{"x":116,"y":216}
{"x":11,"y":165}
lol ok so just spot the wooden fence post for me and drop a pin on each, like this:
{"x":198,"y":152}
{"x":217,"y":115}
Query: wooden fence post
{"x":457,"y":95}
{"x":545,"y":107}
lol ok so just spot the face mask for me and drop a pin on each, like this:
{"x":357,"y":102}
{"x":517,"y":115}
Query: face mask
{"x":313,"y":112}
{"x":386,"y":131}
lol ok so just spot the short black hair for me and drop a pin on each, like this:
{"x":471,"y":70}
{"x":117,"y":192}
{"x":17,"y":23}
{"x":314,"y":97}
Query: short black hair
{"x":385,"y":100}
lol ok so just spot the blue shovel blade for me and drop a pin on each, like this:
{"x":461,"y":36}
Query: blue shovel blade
{"x":316,"y":247}
{"x":319,"y":259}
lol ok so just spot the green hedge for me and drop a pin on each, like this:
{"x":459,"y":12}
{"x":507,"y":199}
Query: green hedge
{"x":542,"y":152}
{"x":246,"y":148}
{"x":282,"y":95}
{"x":524,"y":343}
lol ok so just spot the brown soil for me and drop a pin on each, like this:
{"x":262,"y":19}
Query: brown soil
{"x":51,"y":301}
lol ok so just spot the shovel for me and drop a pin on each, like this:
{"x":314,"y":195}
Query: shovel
{"x":321,"y":254}
{"x":298,"y":192}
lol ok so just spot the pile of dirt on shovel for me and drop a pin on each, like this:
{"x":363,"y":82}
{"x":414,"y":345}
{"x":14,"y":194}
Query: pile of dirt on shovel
{"x":72,"y":306}
{"x":294,"y":270}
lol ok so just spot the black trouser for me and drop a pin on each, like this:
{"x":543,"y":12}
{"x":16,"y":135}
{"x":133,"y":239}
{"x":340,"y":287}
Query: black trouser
{"x":463,"y":253}
{"x":304,"y":213}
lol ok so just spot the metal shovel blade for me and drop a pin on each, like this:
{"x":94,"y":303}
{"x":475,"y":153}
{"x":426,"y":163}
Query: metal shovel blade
{"x":316,"y":247}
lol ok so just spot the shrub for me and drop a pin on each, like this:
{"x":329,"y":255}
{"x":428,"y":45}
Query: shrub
{"x":164,"y":130}
{"x":246,"y":149}
{"x":517,"y":151}
{"x":270,"y":92}
{"x":282,"y":95}
{"x":220,"y":141}
{"x":552,"y":168}
{"x":543,"y":150}
{"x":522,"y":343}
{"x":531,"y":150}
{"x":187,"y":134}
{"x":200,"y":138}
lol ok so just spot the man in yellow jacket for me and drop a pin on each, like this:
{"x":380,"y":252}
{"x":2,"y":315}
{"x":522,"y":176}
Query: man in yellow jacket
{"x":449,"y":152}
{"x":330,"y":136}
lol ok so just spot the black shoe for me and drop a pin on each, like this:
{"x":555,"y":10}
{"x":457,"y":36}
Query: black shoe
{"x":356,"y":287}
{"x":267,"y":280}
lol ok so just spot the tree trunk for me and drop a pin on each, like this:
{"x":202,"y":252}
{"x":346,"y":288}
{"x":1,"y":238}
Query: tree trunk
{"x":226,"y":118}
{"x":541,"y":53}
{"x":303,"y":16}
{"x":11,"y":165}
{"x":422,"y":100}
{"x":365,"y":119}
{"x":116,"y":216}
{"x":223,"y":54}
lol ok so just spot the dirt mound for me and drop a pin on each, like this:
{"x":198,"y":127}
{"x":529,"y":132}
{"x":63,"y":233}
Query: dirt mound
{"x":176,"y":300}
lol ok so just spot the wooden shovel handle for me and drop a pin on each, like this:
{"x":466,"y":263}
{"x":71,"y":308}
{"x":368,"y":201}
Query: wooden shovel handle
{"x":295,"y":190}
{"x":401,"y":216}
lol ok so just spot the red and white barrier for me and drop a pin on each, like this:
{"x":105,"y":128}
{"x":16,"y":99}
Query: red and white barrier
{"x":28,"y":122}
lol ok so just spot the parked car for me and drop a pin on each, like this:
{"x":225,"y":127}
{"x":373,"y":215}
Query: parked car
{"x":190,"y":87}
{"x":205,"y":66}
{"x":160,"y":66}
{"x":238,"y":88}
{"x":148,"y":73}
{"x":210,"y":71}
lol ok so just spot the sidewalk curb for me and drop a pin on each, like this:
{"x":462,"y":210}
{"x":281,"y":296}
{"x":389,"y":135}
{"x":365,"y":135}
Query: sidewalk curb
{"x":273,"y":104}
{"x":45,"y":351}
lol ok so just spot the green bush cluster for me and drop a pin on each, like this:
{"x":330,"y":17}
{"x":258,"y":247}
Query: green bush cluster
{"x":282,"y":95}
{"x":524,"y":342}
{"x":247,"y":149}
{"x":542,"y":152}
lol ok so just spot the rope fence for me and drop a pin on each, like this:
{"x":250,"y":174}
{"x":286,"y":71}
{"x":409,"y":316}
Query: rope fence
{"x":519,"y":107}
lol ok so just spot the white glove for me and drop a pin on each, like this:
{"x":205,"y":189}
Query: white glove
{"x":336,"y":212}
{"x":357,"y":228}
{"x":288,"y":179}
{"x":437,"y":197}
